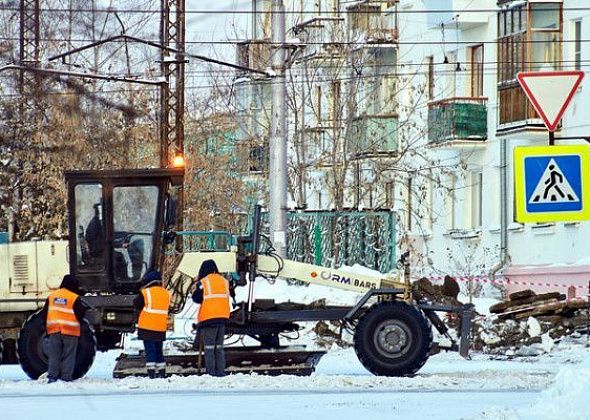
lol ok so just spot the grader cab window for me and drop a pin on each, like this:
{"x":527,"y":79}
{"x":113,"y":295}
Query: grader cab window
{"x":90,"y":229}
{"x":134,"y":223}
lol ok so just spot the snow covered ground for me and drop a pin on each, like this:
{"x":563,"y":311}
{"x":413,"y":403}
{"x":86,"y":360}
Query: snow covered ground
{"x":551,"y":386}
{"x":448,"y":387}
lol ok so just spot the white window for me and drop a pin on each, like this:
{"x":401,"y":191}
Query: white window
{"x":451,"y":75}
{"x":451,"y":201}
{"x":476,"y":199}
{"x":577,"y":38}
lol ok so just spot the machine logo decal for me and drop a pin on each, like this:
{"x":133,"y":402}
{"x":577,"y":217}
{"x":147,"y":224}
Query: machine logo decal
{"x":327,"y":275}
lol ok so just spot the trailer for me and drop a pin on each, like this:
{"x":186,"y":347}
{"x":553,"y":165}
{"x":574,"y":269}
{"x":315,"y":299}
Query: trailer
{"x":122,"y":224}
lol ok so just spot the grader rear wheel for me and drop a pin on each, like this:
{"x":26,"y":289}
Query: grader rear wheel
{"x":393,"y":339}
{"x":32,"y":343}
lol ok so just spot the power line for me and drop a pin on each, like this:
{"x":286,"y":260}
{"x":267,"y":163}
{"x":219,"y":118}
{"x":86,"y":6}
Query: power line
{"x":314,"y":13}
{"x":322,"y":43}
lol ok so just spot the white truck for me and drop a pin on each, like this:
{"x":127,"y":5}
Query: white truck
{"x":28,"y":272}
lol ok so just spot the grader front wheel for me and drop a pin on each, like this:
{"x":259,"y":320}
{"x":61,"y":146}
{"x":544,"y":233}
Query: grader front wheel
{"x":31,"y":348}
{"x":393,"y":339}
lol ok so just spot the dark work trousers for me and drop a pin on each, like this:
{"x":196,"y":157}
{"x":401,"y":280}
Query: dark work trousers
{"x":62,"y":357}
{"x":154,"y":356}
{"x":213,"y":344}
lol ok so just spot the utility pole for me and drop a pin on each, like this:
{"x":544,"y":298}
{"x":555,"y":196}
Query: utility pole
{"x":277,"y":174}
{"x":172,"y":35}
{"x":27,"y":86}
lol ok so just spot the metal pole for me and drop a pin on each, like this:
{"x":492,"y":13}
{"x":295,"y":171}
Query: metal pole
{"x":277,"y":175}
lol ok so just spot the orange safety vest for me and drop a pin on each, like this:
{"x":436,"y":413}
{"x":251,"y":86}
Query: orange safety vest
{"x":154,"y":315}
{"x":215,"y":298}
{"x":60,"y":313}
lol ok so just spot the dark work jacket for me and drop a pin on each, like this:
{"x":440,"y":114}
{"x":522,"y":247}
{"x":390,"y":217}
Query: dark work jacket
{"x":198,"y":298}
{"x":143,"y":334}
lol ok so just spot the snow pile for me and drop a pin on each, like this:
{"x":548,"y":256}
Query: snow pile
{"x":568,"y":394}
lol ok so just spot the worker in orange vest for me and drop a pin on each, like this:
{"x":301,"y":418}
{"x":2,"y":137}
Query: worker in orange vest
{"x":63,"y":312}
{"x":153,"y":303}
{"x":213,"y":294}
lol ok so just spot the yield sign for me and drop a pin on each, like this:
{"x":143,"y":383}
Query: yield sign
{"x":550,"y":92}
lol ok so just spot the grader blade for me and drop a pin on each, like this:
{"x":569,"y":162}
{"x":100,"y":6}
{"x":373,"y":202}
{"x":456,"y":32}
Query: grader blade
{"x":283,"y":361}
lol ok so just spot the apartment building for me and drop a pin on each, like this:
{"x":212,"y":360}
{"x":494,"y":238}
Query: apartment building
{"x":467,"y":56}
{"x":342,"y":102}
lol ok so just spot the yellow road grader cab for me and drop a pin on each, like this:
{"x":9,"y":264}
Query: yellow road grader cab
{"x":121,"y":225}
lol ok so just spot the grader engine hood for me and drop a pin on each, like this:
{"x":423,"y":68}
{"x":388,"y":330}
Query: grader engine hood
{"x":116,"y":219}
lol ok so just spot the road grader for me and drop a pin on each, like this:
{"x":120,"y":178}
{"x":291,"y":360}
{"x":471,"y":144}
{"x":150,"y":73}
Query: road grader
{"x":122,"y":224}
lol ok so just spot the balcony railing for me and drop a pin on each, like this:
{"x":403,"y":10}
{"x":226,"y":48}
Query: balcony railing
{"x":375,"y":135}
{"x":322,"y":36}
{"x":369,"y":23}
{"x":457,"y":119}
{"x":516,"y":111}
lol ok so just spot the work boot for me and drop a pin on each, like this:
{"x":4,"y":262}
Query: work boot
{"x":161,"y":367}
{"x":151,"y":373}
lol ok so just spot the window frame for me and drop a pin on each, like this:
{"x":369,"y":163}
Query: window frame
{"x":477,"y":70}
{"x":577,"y":44}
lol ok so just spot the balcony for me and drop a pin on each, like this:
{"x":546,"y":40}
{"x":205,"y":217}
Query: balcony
{"x":254,"y":54}
{"x":322,"y":36}
{"x":457,"y":119}
{"x":458,"y":14}
{"x":369,"y":23}
{"x":516,"y":111}
{"x":375,"y":135}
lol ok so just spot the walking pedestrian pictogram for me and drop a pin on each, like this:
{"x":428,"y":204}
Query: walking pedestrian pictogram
{"x":552,"y":183}
{"x":553,"y":187}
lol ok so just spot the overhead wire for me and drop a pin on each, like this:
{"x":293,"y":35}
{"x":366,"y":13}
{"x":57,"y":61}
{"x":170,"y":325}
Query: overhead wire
{"x":289,"y":12}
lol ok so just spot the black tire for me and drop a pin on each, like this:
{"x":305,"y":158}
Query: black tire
{"x":393,"y":339}
{"x":32,"y":343}
{"x":8,"y":351}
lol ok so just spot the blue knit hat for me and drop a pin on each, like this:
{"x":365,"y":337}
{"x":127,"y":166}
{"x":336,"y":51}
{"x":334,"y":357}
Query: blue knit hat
{"x":151,"y":276}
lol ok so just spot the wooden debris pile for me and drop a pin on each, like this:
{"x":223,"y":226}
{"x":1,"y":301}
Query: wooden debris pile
{"x":529,"y":324}
{"x":446,"y":293}
{"x":548,"y":307}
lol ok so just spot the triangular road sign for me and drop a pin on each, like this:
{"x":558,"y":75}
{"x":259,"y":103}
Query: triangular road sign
{"x":550,"y":92}
{"x":553,"y":187}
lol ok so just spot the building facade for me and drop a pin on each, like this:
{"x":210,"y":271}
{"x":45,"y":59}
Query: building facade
{"x":469,"y":55}
{"x":414,"y":106}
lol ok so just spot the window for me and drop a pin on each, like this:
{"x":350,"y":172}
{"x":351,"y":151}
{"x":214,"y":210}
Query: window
{"x":451,"y":75}
{"x":450,"y":199}
{"x":577,"y":29}
{"x":90,"y":230}
{"x":477,"y":71}
{"x":335,"y":111}
{"x":318,"y":104}
{"x":389,"y":194}
{"x":427,"y":203}
{"x":430,"y":81}
{"x":256,"y":158}
{"x":134,"y":222}
{"x":476,"y":199}
{"x":529,"y":39}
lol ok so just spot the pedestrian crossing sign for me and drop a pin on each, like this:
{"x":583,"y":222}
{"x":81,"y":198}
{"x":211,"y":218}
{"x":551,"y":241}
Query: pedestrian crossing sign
{"x":552,"y":183}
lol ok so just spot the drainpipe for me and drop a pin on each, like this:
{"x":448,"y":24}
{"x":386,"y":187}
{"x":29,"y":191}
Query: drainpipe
{"x":504,"y":256}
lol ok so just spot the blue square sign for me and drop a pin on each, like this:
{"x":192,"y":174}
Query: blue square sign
{"x":553,"y":183}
